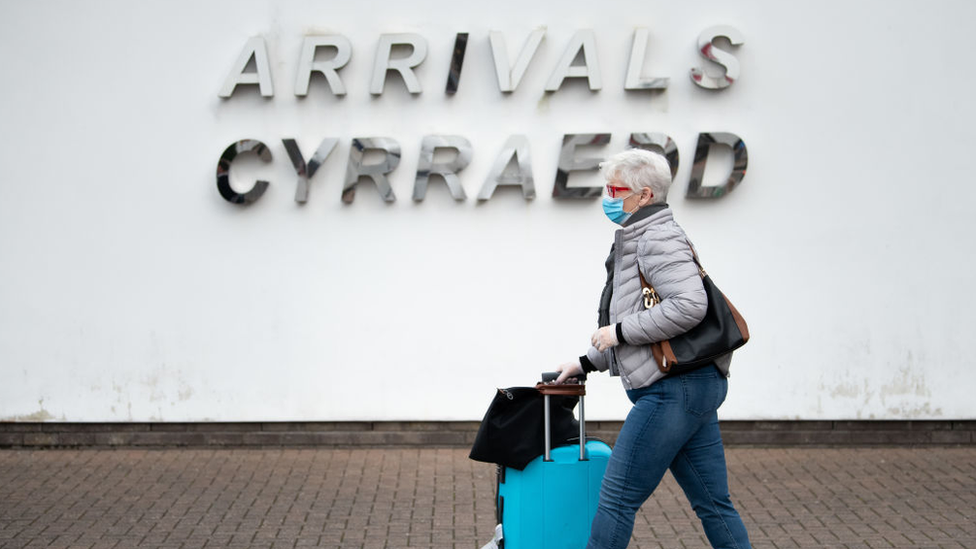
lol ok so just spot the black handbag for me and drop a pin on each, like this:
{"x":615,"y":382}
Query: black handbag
{"x":722,"y":331}
{"x":512,"y":431}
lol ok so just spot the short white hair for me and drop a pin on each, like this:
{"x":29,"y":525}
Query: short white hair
{"x":639,"y":168}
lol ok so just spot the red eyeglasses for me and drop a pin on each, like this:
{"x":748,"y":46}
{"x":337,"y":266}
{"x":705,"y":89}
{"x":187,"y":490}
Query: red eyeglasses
{"x":618,"y":192}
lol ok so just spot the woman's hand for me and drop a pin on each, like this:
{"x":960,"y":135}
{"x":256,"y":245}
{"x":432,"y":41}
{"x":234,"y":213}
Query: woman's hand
{"x":605,"y":337}
{"x":568,"y":370}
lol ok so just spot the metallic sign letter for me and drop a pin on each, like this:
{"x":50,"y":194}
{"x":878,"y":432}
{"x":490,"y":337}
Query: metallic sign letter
{"x":634,"y":79}
{"x":739,"y":164}
{"x":447,"y":170}
{"x":383,"y":63}
{"x":223,"y":171}
{"x":457,"y":59}
{"x":516,"y":149}
{"x":585,"y":40}
{"x":257,"y":49}
{"x":307,"y":63}
{"x":377,"y":172}
{"x":726,"y":59}
{"x":509,"y":77}
{"x":305,"y":172}
{"x":568,"y":163}
{"x":657,"y":142}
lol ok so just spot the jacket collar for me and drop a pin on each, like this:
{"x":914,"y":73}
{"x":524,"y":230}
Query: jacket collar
{"x":637,"y":223}
{"x":644,"y":213}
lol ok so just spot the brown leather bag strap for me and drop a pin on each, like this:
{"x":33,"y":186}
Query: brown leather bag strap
{"x":694,"y":255}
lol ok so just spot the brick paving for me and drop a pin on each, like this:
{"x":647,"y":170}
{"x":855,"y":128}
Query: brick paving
{"x":437,"y":498}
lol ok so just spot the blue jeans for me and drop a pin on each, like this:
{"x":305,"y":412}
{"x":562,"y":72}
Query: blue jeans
{"x":673,"y":425}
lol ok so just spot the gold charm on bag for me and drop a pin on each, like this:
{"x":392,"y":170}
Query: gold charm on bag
{"x":650,"y":297}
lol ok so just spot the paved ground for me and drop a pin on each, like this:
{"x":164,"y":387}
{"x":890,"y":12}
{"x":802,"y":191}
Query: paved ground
{"x":393,"y":498}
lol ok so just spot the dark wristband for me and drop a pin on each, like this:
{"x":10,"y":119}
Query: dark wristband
{"x":620,"y":334}
{"x":588,"y":366}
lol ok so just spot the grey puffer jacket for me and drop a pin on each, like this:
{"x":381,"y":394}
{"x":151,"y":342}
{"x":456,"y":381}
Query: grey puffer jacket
{"x":653,"y":241}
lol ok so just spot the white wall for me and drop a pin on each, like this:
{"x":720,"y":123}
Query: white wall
{"x":131,"y":291}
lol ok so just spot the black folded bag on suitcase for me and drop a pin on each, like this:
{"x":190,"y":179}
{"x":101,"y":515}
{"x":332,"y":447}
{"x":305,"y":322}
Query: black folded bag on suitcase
{"x":511,"y":433}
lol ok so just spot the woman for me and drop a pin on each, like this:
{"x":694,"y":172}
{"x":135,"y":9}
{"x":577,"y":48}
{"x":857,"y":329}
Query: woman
{"x":673,"y":423}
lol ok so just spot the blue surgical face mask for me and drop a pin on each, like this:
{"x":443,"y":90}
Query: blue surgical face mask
{"x":614,"y":208}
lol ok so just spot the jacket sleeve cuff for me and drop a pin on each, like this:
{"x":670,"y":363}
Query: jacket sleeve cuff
{"x":620,"y":334}
{"x":588,"y":366}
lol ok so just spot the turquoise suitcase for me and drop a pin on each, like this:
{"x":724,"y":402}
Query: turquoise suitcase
{"x":551,"y":503}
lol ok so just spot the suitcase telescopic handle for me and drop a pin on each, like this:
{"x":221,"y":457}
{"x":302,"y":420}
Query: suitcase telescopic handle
{"x":572,"y":389}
